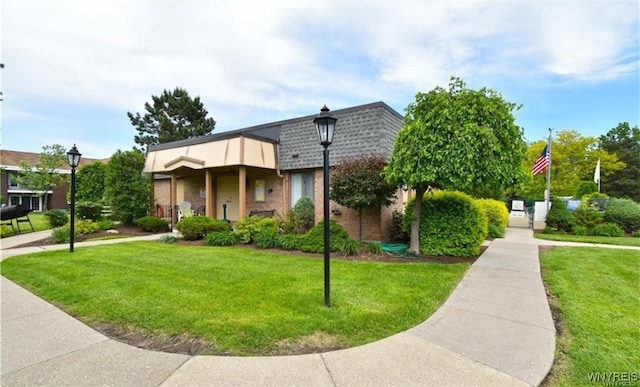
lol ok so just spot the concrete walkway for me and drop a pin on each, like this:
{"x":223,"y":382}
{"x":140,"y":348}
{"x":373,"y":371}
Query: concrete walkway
{"x":495,"y":329}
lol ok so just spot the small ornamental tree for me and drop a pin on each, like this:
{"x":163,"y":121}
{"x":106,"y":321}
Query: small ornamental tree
{"x":42,"y":176}
{"x":127,"y":189}
{"x":358,"y":183}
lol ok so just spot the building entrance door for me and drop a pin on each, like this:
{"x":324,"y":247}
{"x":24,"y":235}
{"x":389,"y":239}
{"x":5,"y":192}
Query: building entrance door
{"x":227,"y":193}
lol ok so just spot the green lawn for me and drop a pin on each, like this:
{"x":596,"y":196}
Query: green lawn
{"x":598,"y":292}
{"x":621,"y":241}
{"x":38,"y":220}
{"x":244,"y":301}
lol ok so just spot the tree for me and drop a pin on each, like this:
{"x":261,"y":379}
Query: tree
{"x":90,"y":182}
{"x":623,"y":141}
{"x":573,"y":160}
{"x":456,"y":139}
{"x":358,"y":183}
{"x":173,"y":116}
{"x":127,"y":189}
{"x":43,"y":176}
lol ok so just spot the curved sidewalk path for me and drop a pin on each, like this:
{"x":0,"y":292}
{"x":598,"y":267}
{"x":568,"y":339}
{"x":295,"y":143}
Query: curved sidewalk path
{"x":495,"y":329}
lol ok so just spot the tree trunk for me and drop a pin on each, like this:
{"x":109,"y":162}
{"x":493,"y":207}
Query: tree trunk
{"x":414,"y":244}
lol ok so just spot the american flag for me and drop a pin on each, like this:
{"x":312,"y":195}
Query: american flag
{"x":542,"y":162}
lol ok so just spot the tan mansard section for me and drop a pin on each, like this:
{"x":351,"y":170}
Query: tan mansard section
{"x":226,"y":152}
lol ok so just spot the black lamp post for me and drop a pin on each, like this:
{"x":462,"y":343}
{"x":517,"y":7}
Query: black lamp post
{"x":73,"y":156}
{"x":326,"y":125}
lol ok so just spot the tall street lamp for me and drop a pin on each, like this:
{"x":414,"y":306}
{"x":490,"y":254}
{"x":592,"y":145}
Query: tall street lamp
{"x":326,"y":125}
{"x":73,"y":157}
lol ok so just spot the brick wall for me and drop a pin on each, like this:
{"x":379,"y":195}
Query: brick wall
{"x":274,"y":192}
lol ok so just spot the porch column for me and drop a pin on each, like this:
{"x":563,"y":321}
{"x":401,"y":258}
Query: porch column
{"x":242,"y":194}
{"x":174,"y":199}
{"x":209,"y":192}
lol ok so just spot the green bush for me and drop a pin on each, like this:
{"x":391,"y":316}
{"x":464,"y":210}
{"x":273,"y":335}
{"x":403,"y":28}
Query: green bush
{"x":288,"y":241}
{"x":451,"y":223}
{"x":90,"y":211}
{"x":547,"y":230}
{"x":152,"y":224}
{"x":304,"y":215}
{"x":86,"y":227}
{"x":313,"y":240}
{"x":348,"y":246}
{"x":248,"y":227}
{"x":497,"y":215}
{"x":636,"y":234}
{"x":398,"y":233}
{"x":221,"y":238}
{"x":623,"y":212}
{"x":587,"y":217}
{"x":559,"y":217}
{"x":580,"y":230}
{"x":585,"y":188}
{"x":196,"y":227}
{"x":266,"y":238}
{"x":56,"y":218}
{"x":169,"y":239}
{"x":374,"y":247}
{"x":106,"y":224}
{"x":63,"y":234}
{"x":608,"y":230}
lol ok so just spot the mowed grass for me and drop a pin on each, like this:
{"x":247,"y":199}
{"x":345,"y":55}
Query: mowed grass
{"x":598,"y":292}
{"x":620,"y":241}
{"x":244,"y":301}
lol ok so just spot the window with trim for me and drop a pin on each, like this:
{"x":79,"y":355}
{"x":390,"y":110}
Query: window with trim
{"x":13,"y":182}
{"x":302,"y":184}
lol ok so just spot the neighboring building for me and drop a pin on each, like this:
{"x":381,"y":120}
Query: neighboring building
{"x":270,"y":166}
{"x":14,"y":194}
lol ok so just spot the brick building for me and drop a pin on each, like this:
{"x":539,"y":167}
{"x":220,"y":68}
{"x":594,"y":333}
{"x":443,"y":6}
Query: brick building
{"x":270,"y":166}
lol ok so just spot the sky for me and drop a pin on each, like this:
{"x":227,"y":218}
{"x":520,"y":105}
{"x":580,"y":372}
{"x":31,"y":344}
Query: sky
{"x":73,"y":69}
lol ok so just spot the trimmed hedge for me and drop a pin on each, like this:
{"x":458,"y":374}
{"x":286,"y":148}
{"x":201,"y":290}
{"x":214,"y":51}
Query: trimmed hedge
{"x":497,"y":215}
{"x":57,"y":218}
{"x":249,"y":227}
{"x":196,"y":227}
{"x":152,"y":224}
{"x":623,"y":212}
{"x":559,"y":217}
{"x":451,"y":223}
{"x":313,"y":241}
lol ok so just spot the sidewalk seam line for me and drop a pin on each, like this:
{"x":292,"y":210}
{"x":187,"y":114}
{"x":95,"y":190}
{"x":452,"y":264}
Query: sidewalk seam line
{"x":326,"y":367}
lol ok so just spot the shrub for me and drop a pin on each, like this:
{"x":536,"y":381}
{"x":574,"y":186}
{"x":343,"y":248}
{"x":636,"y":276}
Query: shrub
{"x":374,"y":247}
{"x":397,"y":231}
{"x":221,"y":238}
{"x":547,"y":230}
{"x":56,"y":218}
{"x":288,"y":241}
{"x":313,"y":240}
{"x":62,"y":234}
{"x":106,"y":224}
{"x":451,"y":223}
{"x":623,"y":212}
{"x":248,"y":227}
{"x":169,"y":239}
{"x":266,"y":238}
{"x":288,"y":224}
{"x":86,"y":227}
{"x":636,"y":234}
{"x":559,"y":217}
{"x":152,"y":224}
{"x":196,"y":227}
{"x":608,"y":230}
{"x":348,"y":246}
{"x":304,"y":215}
{"x":497,"y":215}
{"x":580,"y":230}
{"x":585,"y":188}
{"x":587,"y":217}
{"x":90,"y":211}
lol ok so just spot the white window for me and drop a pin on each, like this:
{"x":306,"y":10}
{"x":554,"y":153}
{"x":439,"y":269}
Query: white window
{"x":12,"y":181}
{"x":302,"y":184}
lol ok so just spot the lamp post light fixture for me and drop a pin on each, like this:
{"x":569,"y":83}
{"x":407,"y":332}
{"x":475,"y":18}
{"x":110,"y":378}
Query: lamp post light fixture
{"x":325,"y":125}
{"x":73,"y":157}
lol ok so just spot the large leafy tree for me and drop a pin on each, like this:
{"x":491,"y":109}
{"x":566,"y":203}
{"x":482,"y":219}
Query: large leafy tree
{"x":573,"y":161}
{"x":623,"y":141}
{"x":358,"y":183}
{"x":459,"y":139}
{"x":127,"y":189}
{"x":90,"y":182}
{"x":44,"y":176}
{"x":173,"y":116}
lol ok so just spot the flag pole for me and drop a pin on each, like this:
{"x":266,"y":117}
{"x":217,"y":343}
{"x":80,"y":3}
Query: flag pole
{"x":548,"y":198}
